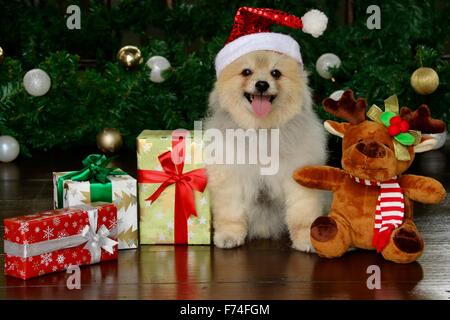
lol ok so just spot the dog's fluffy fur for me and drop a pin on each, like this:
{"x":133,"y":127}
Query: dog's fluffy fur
{"x":245,"y":203}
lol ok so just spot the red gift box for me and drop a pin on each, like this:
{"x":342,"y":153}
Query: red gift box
{"x":50,"y":241}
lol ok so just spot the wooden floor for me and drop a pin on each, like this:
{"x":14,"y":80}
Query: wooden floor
{"x":259,"y":270}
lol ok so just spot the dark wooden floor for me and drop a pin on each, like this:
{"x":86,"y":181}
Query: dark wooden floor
{"x":259,"y":270}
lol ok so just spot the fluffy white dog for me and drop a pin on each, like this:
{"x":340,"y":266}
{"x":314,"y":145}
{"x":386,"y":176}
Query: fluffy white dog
{"x":264,"y":89}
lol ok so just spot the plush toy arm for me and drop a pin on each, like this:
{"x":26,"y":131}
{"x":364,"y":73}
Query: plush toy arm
{"x":319,"y":177}
{"x":422,"y":189}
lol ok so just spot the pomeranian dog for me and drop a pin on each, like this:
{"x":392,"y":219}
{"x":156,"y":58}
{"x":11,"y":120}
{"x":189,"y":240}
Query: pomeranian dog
{"x":265,"y":90}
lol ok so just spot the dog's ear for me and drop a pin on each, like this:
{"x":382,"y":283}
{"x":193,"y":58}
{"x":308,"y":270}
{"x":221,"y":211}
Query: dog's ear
{"x":336,"y":128}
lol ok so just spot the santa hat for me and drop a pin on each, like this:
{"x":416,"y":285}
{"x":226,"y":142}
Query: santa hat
{"x":251,"y":33}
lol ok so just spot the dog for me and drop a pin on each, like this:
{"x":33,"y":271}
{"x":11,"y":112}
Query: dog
{"x":265,"y":90}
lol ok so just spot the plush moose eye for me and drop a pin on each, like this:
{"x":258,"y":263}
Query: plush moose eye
{"x":276,"y":73}
{"x":246,"y":72}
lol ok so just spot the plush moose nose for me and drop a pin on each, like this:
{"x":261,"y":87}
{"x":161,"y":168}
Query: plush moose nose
{"x":262,"y":86}
{"x":371,"y":149}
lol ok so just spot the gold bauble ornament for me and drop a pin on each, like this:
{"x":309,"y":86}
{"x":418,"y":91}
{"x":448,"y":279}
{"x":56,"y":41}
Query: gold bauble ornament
{"x":109,"y":140}
{"x":130,"y":56}
{"x":424,"y":80}
{"x":1,"y":55}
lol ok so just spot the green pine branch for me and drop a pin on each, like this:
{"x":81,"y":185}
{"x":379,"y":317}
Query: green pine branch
{"x":81,"y":101}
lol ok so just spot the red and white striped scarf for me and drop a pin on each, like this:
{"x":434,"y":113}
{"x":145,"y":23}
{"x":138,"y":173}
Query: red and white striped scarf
{"x":389,"y":212}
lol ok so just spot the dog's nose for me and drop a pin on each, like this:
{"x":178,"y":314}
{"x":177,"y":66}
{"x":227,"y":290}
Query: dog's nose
{"x":262,"y":86}
{"x":371,"y":149}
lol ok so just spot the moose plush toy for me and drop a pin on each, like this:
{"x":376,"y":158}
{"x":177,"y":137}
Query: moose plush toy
{"x":372,"y":200}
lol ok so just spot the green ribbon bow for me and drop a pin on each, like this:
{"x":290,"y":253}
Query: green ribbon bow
{"x":401,"y":140}
{"x":96,"y":172}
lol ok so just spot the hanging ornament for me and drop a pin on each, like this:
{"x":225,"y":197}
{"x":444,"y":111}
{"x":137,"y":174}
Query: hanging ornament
{"x":1,"y":55}
{"x":109,"y":140}
{"x":337,"y":95}
{"x":325,"y":62}
{"x":9,"y":148}
{"x":158,"y":65}
{"x":37,"y":82}
{"x":130,"y":56}
{"x":424,"y":81}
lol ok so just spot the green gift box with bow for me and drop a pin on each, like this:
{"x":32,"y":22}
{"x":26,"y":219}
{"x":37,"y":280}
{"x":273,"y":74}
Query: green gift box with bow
{"x":97,"y":182}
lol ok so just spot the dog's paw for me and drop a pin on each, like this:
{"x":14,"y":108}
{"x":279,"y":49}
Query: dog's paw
{"x":301,"y":240}
{"x":228,"y":240}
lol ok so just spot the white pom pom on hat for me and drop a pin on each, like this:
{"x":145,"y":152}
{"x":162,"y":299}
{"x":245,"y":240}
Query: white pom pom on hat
{"x":314,"y":22}
{"x":251,"y":32}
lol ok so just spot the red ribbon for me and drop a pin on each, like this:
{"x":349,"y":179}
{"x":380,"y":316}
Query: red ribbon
{"x":185,"y":183}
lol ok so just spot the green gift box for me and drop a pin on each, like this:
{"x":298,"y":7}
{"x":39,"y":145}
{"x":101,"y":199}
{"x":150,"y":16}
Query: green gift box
{"x":173,"y":200}
{"x":96,"y":182}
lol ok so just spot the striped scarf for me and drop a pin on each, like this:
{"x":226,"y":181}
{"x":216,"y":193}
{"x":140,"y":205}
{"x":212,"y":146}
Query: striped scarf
{"x":389,"y":212}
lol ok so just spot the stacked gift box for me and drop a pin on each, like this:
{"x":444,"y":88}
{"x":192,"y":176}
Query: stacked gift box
{"x":96,"y":182}
{"x":52,"y":240}
{"x":96,"y":209}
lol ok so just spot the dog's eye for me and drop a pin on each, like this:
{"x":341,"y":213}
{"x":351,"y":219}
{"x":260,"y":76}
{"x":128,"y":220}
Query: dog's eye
{"x":246,"y":72}
{"x":275,"y":73}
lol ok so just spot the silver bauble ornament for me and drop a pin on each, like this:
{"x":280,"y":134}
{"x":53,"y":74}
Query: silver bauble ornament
{"x":158,"y":65}
{"x":325,"y":62}
{"x":36,"y":82}
{"x":9,"y":149}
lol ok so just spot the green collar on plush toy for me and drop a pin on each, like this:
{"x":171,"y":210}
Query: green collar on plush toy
{"x":397,"y":128}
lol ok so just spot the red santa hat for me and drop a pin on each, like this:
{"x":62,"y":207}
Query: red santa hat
{"x":251,"y":33}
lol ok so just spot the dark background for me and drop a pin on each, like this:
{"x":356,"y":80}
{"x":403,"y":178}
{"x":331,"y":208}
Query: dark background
{"x":91,"y":90}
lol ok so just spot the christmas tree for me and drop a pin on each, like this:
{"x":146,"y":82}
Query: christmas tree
{"x":91,"y":90}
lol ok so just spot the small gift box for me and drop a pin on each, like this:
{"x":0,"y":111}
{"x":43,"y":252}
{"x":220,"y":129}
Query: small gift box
{"x":50,"y":241}
{"x":96,"y":182}
{"x":173,"y":202}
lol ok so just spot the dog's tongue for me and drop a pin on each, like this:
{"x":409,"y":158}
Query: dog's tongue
{"x":261,"y":105}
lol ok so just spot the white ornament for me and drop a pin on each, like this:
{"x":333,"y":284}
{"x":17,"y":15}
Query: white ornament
{"x":325,"y":62}
{"x":337,"y":95}
{"x":36,"y":82}
{"x":314,"y":22}
{"x":157,"y":64}
{"x":9,"y":148}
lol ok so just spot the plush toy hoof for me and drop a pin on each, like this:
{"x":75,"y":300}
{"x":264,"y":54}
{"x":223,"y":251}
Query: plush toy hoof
{"x":323,"y":229}
{"x":408,"y":241}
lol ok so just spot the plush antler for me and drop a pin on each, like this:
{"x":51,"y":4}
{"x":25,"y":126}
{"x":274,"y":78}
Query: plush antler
{"x":347,"y":108}
{"x":421,"y":120}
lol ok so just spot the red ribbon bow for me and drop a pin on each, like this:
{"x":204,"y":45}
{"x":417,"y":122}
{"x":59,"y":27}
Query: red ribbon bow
{"x":185,"y":183}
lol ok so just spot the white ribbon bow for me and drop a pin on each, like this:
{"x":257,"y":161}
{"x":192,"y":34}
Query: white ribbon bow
{"x":98,"y":241}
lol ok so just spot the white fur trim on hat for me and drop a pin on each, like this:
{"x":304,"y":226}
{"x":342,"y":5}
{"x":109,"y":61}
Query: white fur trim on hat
{"x":257,"y":41}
